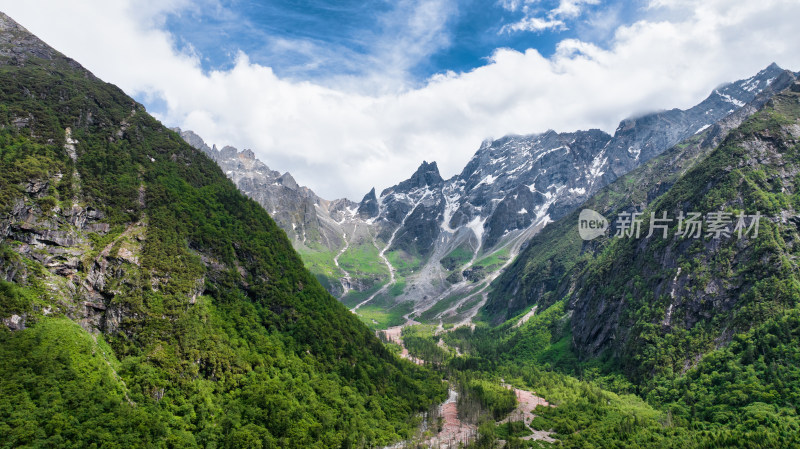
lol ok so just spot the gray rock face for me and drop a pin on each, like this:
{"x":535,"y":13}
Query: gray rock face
{"x":197,"y":142}
{"x":60,"y":241}
{"x":18,"y":44}
{"x":369,"y":208}
{"x":426,"y":175}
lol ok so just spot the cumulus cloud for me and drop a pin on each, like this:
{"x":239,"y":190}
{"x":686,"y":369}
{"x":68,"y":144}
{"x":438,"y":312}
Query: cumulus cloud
{"x":342,"y":141}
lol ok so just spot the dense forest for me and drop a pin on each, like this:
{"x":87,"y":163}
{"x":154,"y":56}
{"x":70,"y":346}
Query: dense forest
{"x":153,"y":305}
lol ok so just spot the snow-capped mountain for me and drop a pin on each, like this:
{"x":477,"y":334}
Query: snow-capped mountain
{"x":429,"y":247}
{"x":516,"y":181}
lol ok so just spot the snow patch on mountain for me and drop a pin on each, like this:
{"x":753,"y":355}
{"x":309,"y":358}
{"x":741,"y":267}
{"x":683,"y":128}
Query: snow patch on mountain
{"x":730,"y":99}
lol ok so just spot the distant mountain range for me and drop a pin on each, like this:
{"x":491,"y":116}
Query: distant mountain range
{"x":427,"y":247}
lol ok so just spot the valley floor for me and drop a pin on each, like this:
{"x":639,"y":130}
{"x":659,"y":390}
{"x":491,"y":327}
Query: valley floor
{"x":453,"y":431}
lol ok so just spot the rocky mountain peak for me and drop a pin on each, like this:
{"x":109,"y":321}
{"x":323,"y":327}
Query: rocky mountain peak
{"x":194,"y":140}
{"x":369,"y":208}
{"x":429,"y":171}
{"x":247,"y":154}
{"x":228,"y":152}
{"x":426,"y":175}
{"x":18,"y":44}
{"x":287,"y":180}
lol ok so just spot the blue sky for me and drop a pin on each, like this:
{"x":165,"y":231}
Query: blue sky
{"x":348,"y":96}
{"x":321,"y":39}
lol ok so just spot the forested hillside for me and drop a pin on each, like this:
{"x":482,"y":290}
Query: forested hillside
{"x":147,"y":303}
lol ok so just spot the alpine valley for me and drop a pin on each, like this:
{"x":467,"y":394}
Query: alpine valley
{"x":156,"y":291}
{"x":427,"y":249}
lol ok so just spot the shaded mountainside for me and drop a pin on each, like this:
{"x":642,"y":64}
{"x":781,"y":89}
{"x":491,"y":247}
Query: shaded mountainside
{"x":147,"y":302}
{"x":697,"y":338}
{"x":427,"y":247}
{"x":656,"y":305}
{"x":691,"y":295}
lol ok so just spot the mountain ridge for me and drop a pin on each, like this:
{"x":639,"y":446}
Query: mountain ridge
{"x":703,"y":327}
{"x":448,"y":238}
{"x":548,"y":265}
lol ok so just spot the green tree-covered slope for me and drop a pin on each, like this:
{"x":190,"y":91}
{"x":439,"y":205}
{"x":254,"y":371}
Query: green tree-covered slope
{"x":146,"y":302}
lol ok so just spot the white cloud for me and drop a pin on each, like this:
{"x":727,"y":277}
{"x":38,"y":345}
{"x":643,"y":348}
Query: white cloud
{"x":512,"y":5}
{"x":534,"y":20}
{"x":534,"y":24}
{"x":413,"y":30}
{"x":344,"y":141}
{"x":571,"y":8}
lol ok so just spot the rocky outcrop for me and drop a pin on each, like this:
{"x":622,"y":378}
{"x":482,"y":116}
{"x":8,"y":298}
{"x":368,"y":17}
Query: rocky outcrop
{"x":17,"y":45}
{"x":368,"y":207}
{"x":427,"y":175}
{"x":81,"y":278}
